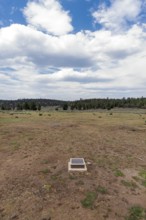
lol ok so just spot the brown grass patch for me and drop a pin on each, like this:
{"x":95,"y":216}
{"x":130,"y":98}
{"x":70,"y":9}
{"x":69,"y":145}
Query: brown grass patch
{"x":34,"y":153}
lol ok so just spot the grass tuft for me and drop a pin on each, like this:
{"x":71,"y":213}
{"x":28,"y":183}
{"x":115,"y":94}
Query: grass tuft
{"x":143,"y":174}
{"x":54,"y":177}
{"x":80,"y":183}
{"x":130,"y":184}
{"x":47,"y":187}
{"x":118,"y":173}
{"x":136,"y":178}
{"x":144,"y":183}
{"x":101,"y":189}
{"x":45,"y":171}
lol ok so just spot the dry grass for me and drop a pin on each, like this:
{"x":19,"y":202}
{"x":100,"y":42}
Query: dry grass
{"x":34,"y":153}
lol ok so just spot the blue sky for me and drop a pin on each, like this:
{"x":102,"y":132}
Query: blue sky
{"x":10,"y":11}
{"x":79,"y":10}
{"x":71,"y":49}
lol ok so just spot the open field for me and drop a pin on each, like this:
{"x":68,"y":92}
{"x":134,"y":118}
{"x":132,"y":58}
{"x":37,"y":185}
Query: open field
{"x":35,"y":149}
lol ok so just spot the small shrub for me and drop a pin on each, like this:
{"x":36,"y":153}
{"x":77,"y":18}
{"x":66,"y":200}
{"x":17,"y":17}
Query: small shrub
{"x":136,"y":213}
{"x":40,"y":114}
{"x":89,"y":200}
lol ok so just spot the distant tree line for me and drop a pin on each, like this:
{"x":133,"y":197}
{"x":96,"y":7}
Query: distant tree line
{"x":82,"y":104}
{"x":22,"y":106}
{"x":108,"y":103}
{"x":28,"y":104}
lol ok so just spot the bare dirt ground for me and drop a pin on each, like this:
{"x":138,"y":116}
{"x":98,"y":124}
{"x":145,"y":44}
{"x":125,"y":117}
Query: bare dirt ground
{"x":34,"y":152}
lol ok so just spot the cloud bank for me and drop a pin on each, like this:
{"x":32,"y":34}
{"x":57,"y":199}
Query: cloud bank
{"x":46,"y":59}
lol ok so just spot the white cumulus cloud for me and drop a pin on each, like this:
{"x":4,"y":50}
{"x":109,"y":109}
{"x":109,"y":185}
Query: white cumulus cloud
{"x":48,"y":16}
{"x":119,"y":14}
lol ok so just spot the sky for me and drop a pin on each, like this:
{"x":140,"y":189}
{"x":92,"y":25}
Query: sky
{"x":72,"y":49}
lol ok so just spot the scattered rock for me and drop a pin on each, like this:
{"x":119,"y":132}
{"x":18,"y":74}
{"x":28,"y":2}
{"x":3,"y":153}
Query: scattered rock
{"x":14,"y":216}
{"x":1,"y":209}
{"x":46,"y":218}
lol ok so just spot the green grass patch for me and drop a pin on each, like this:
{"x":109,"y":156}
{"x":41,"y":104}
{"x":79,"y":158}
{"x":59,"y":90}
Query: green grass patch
{"x":45,"y":161}
{"x":118,"y":173}
{"x":47,"y":187}
{"x":12,"y":120}
{"x":100,"y":162}
{"x":143,"y":174}
{"x":130,"y":184}
{"x":45,"y":171}
{"x":79,"y":183}
{"x":144,"y":183}
{"x":101,"y":190}
{"x":89,"y":200}
{"x":72,"y":177}
{"x":136,"y":213}
{"x":15,"y":146}
{"x":54,"y":177}
{"x":136,"y":178}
